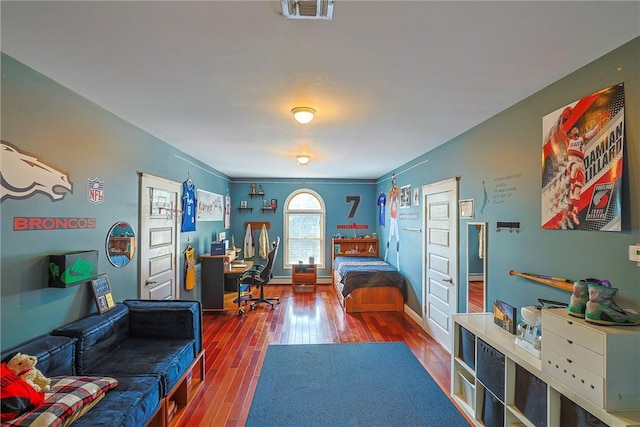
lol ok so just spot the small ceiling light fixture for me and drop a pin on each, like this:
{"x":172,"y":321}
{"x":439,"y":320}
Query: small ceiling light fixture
{"x":303,"y":114}
{"x":303,"y":159}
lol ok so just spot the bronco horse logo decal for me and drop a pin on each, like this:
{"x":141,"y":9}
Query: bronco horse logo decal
{"x":22,"y":175}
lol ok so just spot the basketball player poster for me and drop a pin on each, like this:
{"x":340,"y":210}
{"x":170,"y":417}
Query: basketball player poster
{"x":582,"y":154}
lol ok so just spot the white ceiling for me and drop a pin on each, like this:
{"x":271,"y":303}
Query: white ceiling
{"x":390,"y":80}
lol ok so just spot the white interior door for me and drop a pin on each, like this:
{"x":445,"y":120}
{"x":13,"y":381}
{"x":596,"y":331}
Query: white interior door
{"x":159,"y":216}
{"x":440,"y":283}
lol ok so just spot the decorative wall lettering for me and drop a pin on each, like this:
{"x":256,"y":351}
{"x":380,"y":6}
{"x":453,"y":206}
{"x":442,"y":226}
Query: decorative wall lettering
{"x":21,"y":223}
{"x":353,"y":226}
{"x":408,"y":216}
{"x":505,"y":187}
{"x":354,"y":207}
{"x":24,"y":174}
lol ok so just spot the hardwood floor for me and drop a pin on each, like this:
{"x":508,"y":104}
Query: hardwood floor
{"x":236,"y":347}
{"x":476,"y":297}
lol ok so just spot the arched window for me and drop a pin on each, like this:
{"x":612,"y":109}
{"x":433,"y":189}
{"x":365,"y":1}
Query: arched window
{"x":304,"y":219}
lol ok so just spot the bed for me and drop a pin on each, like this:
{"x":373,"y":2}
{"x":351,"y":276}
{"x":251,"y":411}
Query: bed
{"x":363,"y":282}
{"x":119,"y":260}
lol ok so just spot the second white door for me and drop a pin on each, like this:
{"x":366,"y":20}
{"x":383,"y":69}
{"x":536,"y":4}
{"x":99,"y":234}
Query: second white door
{"x":440,"y":283}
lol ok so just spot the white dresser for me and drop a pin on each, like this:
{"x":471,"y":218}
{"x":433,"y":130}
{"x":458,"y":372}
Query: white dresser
{"x":601,"y":363}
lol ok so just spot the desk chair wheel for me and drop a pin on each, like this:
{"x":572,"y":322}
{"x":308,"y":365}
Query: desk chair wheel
{"x":240,"y":312}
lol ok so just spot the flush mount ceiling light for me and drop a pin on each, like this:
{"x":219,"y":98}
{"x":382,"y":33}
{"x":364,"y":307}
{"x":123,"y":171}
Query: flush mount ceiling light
{"x":303,"y":159}
{"x":303,"y":114}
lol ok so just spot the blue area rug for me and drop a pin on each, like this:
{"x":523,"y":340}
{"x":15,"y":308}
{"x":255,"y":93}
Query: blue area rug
{"x":354,"y":384}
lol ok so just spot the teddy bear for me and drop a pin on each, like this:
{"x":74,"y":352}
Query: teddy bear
{"x":24,"y":366}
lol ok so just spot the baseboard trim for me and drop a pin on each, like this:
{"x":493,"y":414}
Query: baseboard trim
{"x":413,"y":315}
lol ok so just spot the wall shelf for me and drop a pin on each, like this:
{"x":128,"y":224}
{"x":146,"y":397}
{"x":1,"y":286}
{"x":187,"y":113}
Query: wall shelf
{"x":245,"y":209}
{"x":268,"y":209}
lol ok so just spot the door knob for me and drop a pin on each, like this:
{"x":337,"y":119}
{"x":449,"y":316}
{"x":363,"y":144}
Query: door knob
{"x":149,"y":282}
{"x":448,"y":280}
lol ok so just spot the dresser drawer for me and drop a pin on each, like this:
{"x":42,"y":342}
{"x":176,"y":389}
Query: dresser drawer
{"x":572,"y":330}
{"x":574,"y":376}
{"x":576,"y":353}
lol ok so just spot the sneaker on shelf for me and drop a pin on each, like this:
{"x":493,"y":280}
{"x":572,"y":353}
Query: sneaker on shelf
{"x":602,"y":308}
{"x":580,"y":296}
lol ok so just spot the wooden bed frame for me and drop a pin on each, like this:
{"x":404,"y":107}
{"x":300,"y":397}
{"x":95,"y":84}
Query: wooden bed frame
{"x":365,"y":299}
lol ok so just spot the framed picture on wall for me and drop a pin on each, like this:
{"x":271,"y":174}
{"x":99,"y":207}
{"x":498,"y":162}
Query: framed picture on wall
{"x":210,"y":206}
{"x":102,"y":293}
{"x":416,"y":197}
{"x":466,"y":208}
{"x":243,"y":204}
{"x":405,"y":196}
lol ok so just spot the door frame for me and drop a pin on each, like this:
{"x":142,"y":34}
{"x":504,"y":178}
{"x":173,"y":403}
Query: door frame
{"x":450,"y":184}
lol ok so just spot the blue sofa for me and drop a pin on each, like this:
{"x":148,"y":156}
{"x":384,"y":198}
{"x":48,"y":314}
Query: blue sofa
{"x":150,"y":347}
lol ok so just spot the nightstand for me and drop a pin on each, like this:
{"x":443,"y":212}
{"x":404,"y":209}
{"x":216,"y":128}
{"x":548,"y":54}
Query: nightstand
{"x":303,"y":275}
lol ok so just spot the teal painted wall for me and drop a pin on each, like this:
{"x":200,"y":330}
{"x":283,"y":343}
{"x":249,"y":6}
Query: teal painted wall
{"x":86,"y":141}
{"x":82,"y":139}
{"x":507,"y":148}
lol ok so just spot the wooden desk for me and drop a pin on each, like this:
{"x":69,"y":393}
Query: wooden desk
{"x":232,"y":277}
{"x":214,"y":271}
{"x":238,"y":269}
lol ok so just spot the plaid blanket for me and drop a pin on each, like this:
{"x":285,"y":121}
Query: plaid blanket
{"x":66,"y":396}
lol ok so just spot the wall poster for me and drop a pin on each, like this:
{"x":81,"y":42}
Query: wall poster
{"x":582,"y":154}
{"x":210,"y":206}
{"x":405,"y":196}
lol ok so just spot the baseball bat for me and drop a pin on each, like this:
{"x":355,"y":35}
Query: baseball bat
{"x":555,"y":282}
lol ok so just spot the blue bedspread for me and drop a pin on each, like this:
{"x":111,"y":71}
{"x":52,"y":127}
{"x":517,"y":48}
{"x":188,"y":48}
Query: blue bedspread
{"x":360,"y":272}
{"x":119,"y":260}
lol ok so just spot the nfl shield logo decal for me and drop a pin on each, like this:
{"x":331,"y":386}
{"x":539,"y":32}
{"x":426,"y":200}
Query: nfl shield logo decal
{"x":96,"y":191}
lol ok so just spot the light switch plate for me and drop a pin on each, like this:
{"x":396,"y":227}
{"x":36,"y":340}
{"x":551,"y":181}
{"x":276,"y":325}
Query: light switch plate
{"x":634,"y":253}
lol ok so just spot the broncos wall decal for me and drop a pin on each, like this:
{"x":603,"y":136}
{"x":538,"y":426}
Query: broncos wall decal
{"x":23,"y":174}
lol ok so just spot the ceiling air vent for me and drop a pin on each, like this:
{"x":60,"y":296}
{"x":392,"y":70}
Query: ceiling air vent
{"x":307,"y":9}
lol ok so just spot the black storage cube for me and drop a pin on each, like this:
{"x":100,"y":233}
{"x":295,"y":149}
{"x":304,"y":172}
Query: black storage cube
{"x":531,"y":397}
{"x":490,"y":369}
{"x":492,"y":411}
{"x":72,"y":268}
{"x":467,"y":346}
{"x":572,"y":415}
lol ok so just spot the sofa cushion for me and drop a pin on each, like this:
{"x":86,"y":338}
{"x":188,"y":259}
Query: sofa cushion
{"x":171,"y":319}
{"x":97,"y":335}
{"x":56,"y":354}
{"x":132,"y":404}
{"x":67,"y":396}
{"x":167,"y":358}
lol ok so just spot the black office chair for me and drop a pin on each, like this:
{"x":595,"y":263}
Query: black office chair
{"x":260,"y":276}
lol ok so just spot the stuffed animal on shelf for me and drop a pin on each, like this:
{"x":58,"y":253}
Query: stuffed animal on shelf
{"x":24,"y":366}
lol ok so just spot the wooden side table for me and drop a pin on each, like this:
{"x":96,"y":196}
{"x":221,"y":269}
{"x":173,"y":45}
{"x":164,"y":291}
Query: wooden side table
{"x":303,"y":275}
